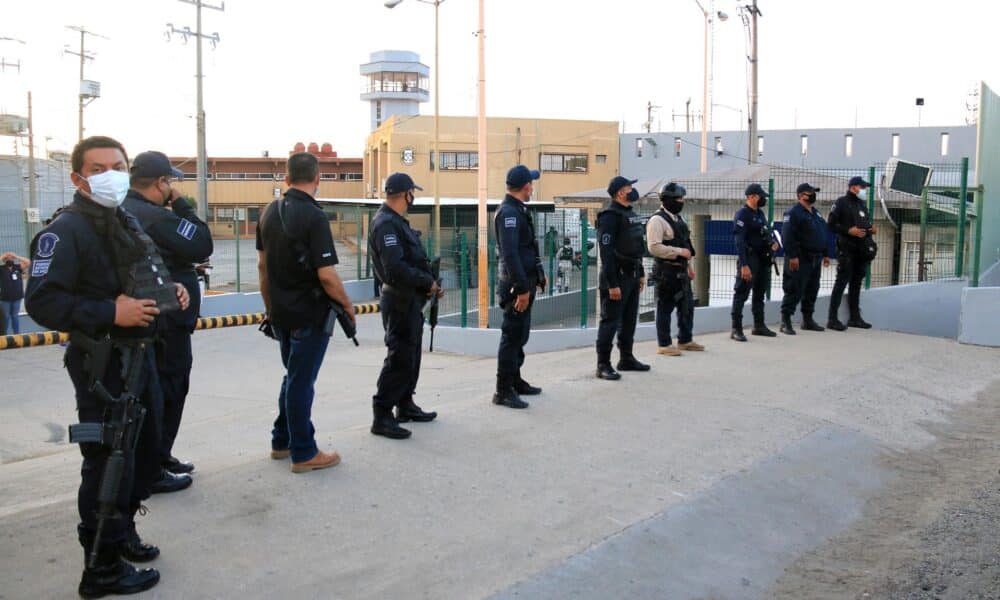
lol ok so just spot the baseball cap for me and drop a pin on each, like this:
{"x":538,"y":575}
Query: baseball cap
{"x":805,"y":188}
{"x":618,"y":182}
{"x":398,"y":183}
{"x":858,"y":181}
{"x":153,"y":164}
{"x":520,"y":176}
{"x":755,"y":188}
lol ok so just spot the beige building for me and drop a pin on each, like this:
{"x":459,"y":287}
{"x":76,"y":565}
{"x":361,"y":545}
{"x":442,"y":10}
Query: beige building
{"x":572,"y":155}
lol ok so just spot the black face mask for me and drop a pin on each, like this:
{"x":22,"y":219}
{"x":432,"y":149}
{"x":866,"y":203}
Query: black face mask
{"x":410,"y":198}
{"x":673,"y":205}
{"x":811,"y":198}
{"x":761,"y":202}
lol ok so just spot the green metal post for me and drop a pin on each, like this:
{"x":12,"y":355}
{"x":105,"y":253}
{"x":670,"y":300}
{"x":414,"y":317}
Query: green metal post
{"x":357,"y":260}
{"x":960,"y":244}
{"x":921,"y":266}
{"x":236,"y":230}
{"x":585,"y":267}
{"x":871,"y":214}
{"x":462,"y":274}
{"x":770,"y":223}
{"x":979,"y":238}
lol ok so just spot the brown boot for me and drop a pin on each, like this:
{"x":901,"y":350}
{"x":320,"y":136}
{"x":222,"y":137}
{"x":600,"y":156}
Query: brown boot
{"x":691,"y":346}
{"x":670,"y":350}
{"x":322,"y":460}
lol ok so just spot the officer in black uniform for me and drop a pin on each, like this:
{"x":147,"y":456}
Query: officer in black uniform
{"x":82,"y":265}
{"x":804,"y":234}
{"x":407,"y":282}
{"x":620,"y":236}
{"x":668,"y":239}
{"x":856,"y":248}
{"x":754,"y":247}
{"x":183,"y":240}
{"x":520,"y":272}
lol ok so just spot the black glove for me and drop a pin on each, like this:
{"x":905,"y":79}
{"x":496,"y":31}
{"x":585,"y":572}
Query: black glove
{"x":267,"y":329}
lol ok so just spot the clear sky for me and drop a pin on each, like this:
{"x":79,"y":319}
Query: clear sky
{"x":288,"y":71}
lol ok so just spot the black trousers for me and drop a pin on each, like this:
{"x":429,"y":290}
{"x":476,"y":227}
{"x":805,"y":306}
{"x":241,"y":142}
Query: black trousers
{"x":514,"y":332}
{"x":142,"y":467}
{"x":802,"y":284}
{"x":618,"y":317}
{"x":174,"y":362}
{"x":673,"y":291}
{"x":851,"y":270}
{"x":403,"y":322}
{"x":760,"y":281}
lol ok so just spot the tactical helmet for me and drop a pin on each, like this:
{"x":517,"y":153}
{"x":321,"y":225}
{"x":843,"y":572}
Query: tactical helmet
{"x":672,"y":190}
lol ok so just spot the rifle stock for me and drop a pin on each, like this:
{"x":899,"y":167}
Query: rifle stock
{"x":432,"y":317}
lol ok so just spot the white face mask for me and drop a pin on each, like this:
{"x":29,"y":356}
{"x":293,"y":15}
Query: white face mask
{"x":109,"y":188}
{"x":863,"y":194}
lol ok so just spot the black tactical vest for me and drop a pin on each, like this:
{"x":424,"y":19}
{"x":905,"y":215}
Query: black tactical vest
{"x":681,"y":239}
{"x":630,"y":245}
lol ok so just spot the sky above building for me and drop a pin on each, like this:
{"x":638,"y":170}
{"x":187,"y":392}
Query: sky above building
{"x":287,"y":71}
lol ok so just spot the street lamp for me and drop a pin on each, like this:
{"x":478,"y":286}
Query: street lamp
{"x":705,"y":100}
{"x":436,"y":151}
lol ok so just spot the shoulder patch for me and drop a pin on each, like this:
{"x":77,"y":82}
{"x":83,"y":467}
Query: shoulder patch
{"x":788,"y":217}
{"x":605,"y":239}
{"x":390,"y":239}
{"x":186,"y":229}
{"x":40,"y":268}
{"x":510,"y":222}
{"x":739,"y":222}
{"x":47,"y":245}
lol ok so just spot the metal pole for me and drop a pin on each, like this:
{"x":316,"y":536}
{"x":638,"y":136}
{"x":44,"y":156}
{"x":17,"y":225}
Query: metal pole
{"x":32,"y":184}
{"x":770,"y":222}
{"x":437,"y":139}
{"x":584,"y":268}
{"x":752,"y":158}
{"x":482,"y":171}
{"x":202,"y":157}
{"x":236,"y":231}
{"x":704,"y":99}
{"x":979,"y":238}
{"x":83,"y":57}
{"x":922,"y":264}
{"x":463,"y":274}
{"x":871,"y":213}
{"x":960,"y":245}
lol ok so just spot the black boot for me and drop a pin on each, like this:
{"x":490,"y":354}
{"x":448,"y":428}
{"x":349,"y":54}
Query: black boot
{"x":523,"y":388}
{"x":112,"y":575}
{"x":629,"y":362}
{"x":385,"y":424}
{"x":506,"y":395}
{"x":810,"y":325}
{"x":132,"y":549}
{"x":409,"y":411}
{"x":857,"y":321}
{"x":737,"y":333}
{"x":604,"y":371}
{"x":835,"y":324}
{"x":168,"y":482}
{"x":178,"y":467}
{"x":760,"y":328}
{"x":786,"y":325}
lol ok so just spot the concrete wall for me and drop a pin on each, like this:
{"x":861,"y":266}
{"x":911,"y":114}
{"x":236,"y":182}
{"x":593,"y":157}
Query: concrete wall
{"x":980,"y":319}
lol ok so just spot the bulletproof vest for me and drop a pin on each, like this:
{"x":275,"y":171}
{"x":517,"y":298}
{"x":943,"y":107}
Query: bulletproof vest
{"x":681,"y":239}
{"x":149,"y":278}
{"x":630,"y":245}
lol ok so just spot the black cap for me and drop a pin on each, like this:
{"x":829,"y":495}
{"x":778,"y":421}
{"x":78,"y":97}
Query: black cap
{"x":672,"y":190}
{"x":633,"y":196}
{"x":805,"y":188}
{"x":398,"y":183}
{"x":617,"y":183}
{"x":153,"y":164}
{"x":858,"y":181}
{"x":520,"y":176}
{"x":755,"y":188}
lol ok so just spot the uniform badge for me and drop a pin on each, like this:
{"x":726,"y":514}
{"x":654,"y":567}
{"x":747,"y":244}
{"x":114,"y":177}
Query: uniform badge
{"x":739,"y":222}
{"x":40,"y":268}
{"x":862,"y":213}
{"x":606,"y":239}
{"x":186,"y":229}
{"x":510,"y":222}
{"x":390,"y":239}
{"x":47,"y":244}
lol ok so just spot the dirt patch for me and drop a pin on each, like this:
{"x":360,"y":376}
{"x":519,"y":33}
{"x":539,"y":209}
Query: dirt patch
{"x":934,"y":533}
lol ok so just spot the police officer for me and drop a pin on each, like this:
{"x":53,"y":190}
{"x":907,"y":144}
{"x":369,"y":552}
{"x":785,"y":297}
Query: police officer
{"x":622,"y":278}
{"x":183,"y":240}
{"x":296,"y":262}
{"x":850,"y":220}
{"x":668,"y":239}
{"x":407,"y":282}
{"x":82,"y":264}
{"x":754,"y":248}
{"x":520,"y":272}
{"x":804,"y":235}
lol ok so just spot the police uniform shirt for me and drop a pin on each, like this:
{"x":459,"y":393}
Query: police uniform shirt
{"x":181,"y":238}
{"x":11,"y":282}
{"x":750,"y":232}
{"x":849,"y":211}
{"x":620,"y":232}
{"x":397,"y":254}
{"x":803,"y":232}
{"x":520,"y":262}
{"x":292,"y":259}
{"x":73,"y":282}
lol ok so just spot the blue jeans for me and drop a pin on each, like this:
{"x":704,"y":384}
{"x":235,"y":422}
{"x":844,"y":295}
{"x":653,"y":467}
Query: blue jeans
{"x":11,"y":308}
{"x":302,"y":352}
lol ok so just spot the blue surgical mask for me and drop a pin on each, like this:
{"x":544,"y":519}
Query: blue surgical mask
{"x":863,"y":194}
{"x":109,"y":188}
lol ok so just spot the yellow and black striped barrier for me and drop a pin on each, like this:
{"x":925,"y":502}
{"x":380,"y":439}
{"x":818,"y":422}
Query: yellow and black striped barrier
{"x":47,"y":338}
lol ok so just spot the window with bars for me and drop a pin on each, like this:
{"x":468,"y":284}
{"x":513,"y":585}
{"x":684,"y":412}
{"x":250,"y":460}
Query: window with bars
{"x":563,"y":163}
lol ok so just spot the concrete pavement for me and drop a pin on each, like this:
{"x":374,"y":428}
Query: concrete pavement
{"x":487,"y":500}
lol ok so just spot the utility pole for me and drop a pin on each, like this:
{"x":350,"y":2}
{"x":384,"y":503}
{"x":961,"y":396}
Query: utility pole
{"x":754,"y":13}
{"x":482,"y":172}
{"x":32,"y":186}
{"x":214,"y":39}
{"x":85,"y":98}
{"x":649,"y":116}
